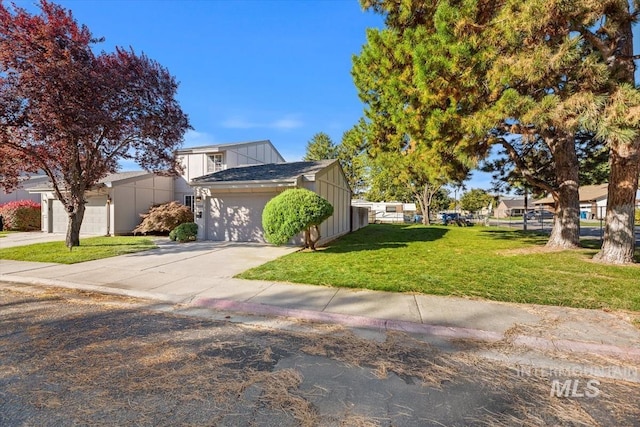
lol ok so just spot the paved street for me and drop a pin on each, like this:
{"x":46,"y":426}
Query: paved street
{"x":69,"y":357}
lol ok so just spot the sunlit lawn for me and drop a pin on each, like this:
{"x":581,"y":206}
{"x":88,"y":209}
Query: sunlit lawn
{"x":497,"y":264}
{"x":90,"y":249}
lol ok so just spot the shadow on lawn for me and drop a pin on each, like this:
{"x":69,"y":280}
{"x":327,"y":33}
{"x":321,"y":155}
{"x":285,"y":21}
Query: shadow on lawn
{"x":532,"y":237}
{"x":384,"y":236}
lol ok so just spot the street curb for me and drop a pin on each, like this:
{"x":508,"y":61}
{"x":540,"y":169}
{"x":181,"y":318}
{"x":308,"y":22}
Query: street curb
{"x":346,"y":319}
{"x":419,"y":328}
{"x":448,"y":332}
{"x":102,"y":289}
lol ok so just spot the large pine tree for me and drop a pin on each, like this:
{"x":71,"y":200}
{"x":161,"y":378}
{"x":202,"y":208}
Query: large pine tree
{"x":470,"y":74}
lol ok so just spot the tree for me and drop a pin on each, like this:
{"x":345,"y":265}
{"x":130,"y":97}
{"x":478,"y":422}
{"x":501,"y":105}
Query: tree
{"x":321,"y":147}
{"x":473,"y":74}
{"x":353,"y":157}
{"x":293,"y":211}
{"x":475,"y":200}
{"x":606,"y":29}
{"x":73,"y":114}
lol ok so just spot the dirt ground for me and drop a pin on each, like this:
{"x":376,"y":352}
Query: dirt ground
{"x":73,"y":358}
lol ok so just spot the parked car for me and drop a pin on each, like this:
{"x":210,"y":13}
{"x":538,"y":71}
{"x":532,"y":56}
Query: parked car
{"x":455,"y":218}
{"x":540,"y":215}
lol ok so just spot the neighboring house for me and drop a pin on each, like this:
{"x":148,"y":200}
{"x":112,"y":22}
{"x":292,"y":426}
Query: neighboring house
{"x":22,"y":192}
{"x":511,"y":207}
{"x":593,"y":201}
{"x":387,"y":212}
{"x":113,"y":205}
{"x":229,"y":203}
{"x":199,"y":161}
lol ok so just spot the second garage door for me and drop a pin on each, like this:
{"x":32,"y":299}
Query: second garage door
{"x":94,"y":221}
{"x":236,"y":217}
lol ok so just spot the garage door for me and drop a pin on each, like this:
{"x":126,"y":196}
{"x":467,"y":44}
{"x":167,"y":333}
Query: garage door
{"x":95,"y":217}
{"x":236,"y":217}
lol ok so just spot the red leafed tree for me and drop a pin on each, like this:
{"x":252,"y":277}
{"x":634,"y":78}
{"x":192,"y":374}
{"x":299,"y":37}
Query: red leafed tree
{"x":74,"y":114}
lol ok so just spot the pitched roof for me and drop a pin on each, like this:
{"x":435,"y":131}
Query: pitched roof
{"x":513,"y":203}
{"x":274,"y":172}
{"x":121,"y":176}
{"x":107,"y":181}
{"x":593,"y":192}
{"x":586,"y":193}
{"x":218,"y":147}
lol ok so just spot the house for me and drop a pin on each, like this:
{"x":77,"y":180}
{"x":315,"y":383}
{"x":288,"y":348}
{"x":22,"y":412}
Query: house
{"x":387,"y":212}
{"x":113,"y":205}
{"x":229,"y":203}
{"x":226,"y":186}
{"x":511,"y":207}
{"x":22,"y":192}
{"x":199,"y":161}
{"x":593,"y":201}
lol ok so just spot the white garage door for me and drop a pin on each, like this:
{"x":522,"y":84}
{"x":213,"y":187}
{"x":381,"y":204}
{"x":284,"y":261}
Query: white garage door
{"x":95,"y":217}
{"x":236,"y":217}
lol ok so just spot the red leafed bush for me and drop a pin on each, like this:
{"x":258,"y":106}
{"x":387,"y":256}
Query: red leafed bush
{"x":164,"y":218}
{"x":21,"y":215}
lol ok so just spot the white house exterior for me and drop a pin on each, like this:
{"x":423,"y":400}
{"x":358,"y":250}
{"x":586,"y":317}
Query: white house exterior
{"x":199,"y":161}
{"x":113,"y":206}
{"x":229,"y":203}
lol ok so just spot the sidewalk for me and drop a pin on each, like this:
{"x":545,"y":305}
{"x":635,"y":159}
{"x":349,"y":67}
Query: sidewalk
{"x":200,"y":275}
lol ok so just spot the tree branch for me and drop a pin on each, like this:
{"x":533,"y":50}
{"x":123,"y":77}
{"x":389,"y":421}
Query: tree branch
{"x":526,"y":173}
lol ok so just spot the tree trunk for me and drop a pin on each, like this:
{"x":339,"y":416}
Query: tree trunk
{"x":566,"y":227}
{"x":74,"y":224}
{"x":619,"y":241}
{"x":618,"y":245}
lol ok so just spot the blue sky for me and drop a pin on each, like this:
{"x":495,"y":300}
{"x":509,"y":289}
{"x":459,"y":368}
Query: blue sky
{"x":248,"y":69}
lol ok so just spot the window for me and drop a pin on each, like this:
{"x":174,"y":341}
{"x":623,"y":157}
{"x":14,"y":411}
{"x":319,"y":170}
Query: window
{"x":215,"y":162}
{"x":391,"y":209}
{"x":189,"y":201}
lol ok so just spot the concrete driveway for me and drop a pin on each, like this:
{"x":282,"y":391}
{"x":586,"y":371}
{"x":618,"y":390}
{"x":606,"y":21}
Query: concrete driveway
{"x":178,"y":269}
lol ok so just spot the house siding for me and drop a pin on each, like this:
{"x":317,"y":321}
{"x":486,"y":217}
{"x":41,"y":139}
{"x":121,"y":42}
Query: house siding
{"x":195,"y":164}
{"x":131,"y":199}
{"x":333,"y":186}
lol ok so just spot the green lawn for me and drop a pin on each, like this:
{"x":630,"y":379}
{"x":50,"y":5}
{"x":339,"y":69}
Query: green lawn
{"x":89,"y":249}
{"x":497,"y":264}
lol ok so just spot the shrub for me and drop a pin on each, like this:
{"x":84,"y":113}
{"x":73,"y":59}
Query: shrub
{"x":637,"y":215}
{"x":21,"y":215}
{"x":293,"y":211}
{"x":184,"y":232}
{"x":163,"y":218}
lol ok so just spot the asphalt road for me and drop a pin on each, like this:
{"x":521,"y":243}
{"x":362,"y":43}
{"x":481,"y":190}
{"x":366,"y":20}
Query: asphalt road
{"x":74,"y":358}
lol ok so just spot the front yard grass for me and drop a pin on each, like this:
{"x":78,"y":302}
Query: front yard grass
{"x":478,"y":262}
{"x":90,"y":249}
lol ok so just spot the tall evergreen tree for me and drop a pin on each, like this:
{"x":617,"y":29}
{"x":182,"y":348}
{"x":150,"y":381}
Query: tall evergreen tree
{"x":473,"y":73}
{"x":353,"y":157}
{"x":321,"y":147}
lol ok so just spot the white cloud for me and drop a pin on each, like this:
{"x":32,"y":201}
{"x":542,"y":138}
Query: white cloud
{"x":194,"y":138}
{"x":239,"y":123}
{"x":286,"y":123}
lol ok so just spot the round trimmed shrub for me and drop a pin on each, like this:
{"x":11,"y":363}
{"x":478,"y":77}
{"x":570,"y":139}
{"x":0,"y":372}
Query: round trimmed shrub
{"x":293,"y":211}
{"x":21,"y":215}
{"x":184,"y":232}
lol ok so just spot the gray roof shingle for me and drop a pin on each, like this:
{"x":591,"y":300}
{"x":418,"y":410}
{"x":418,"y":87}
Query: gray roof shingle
{"x":265,"y":172}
